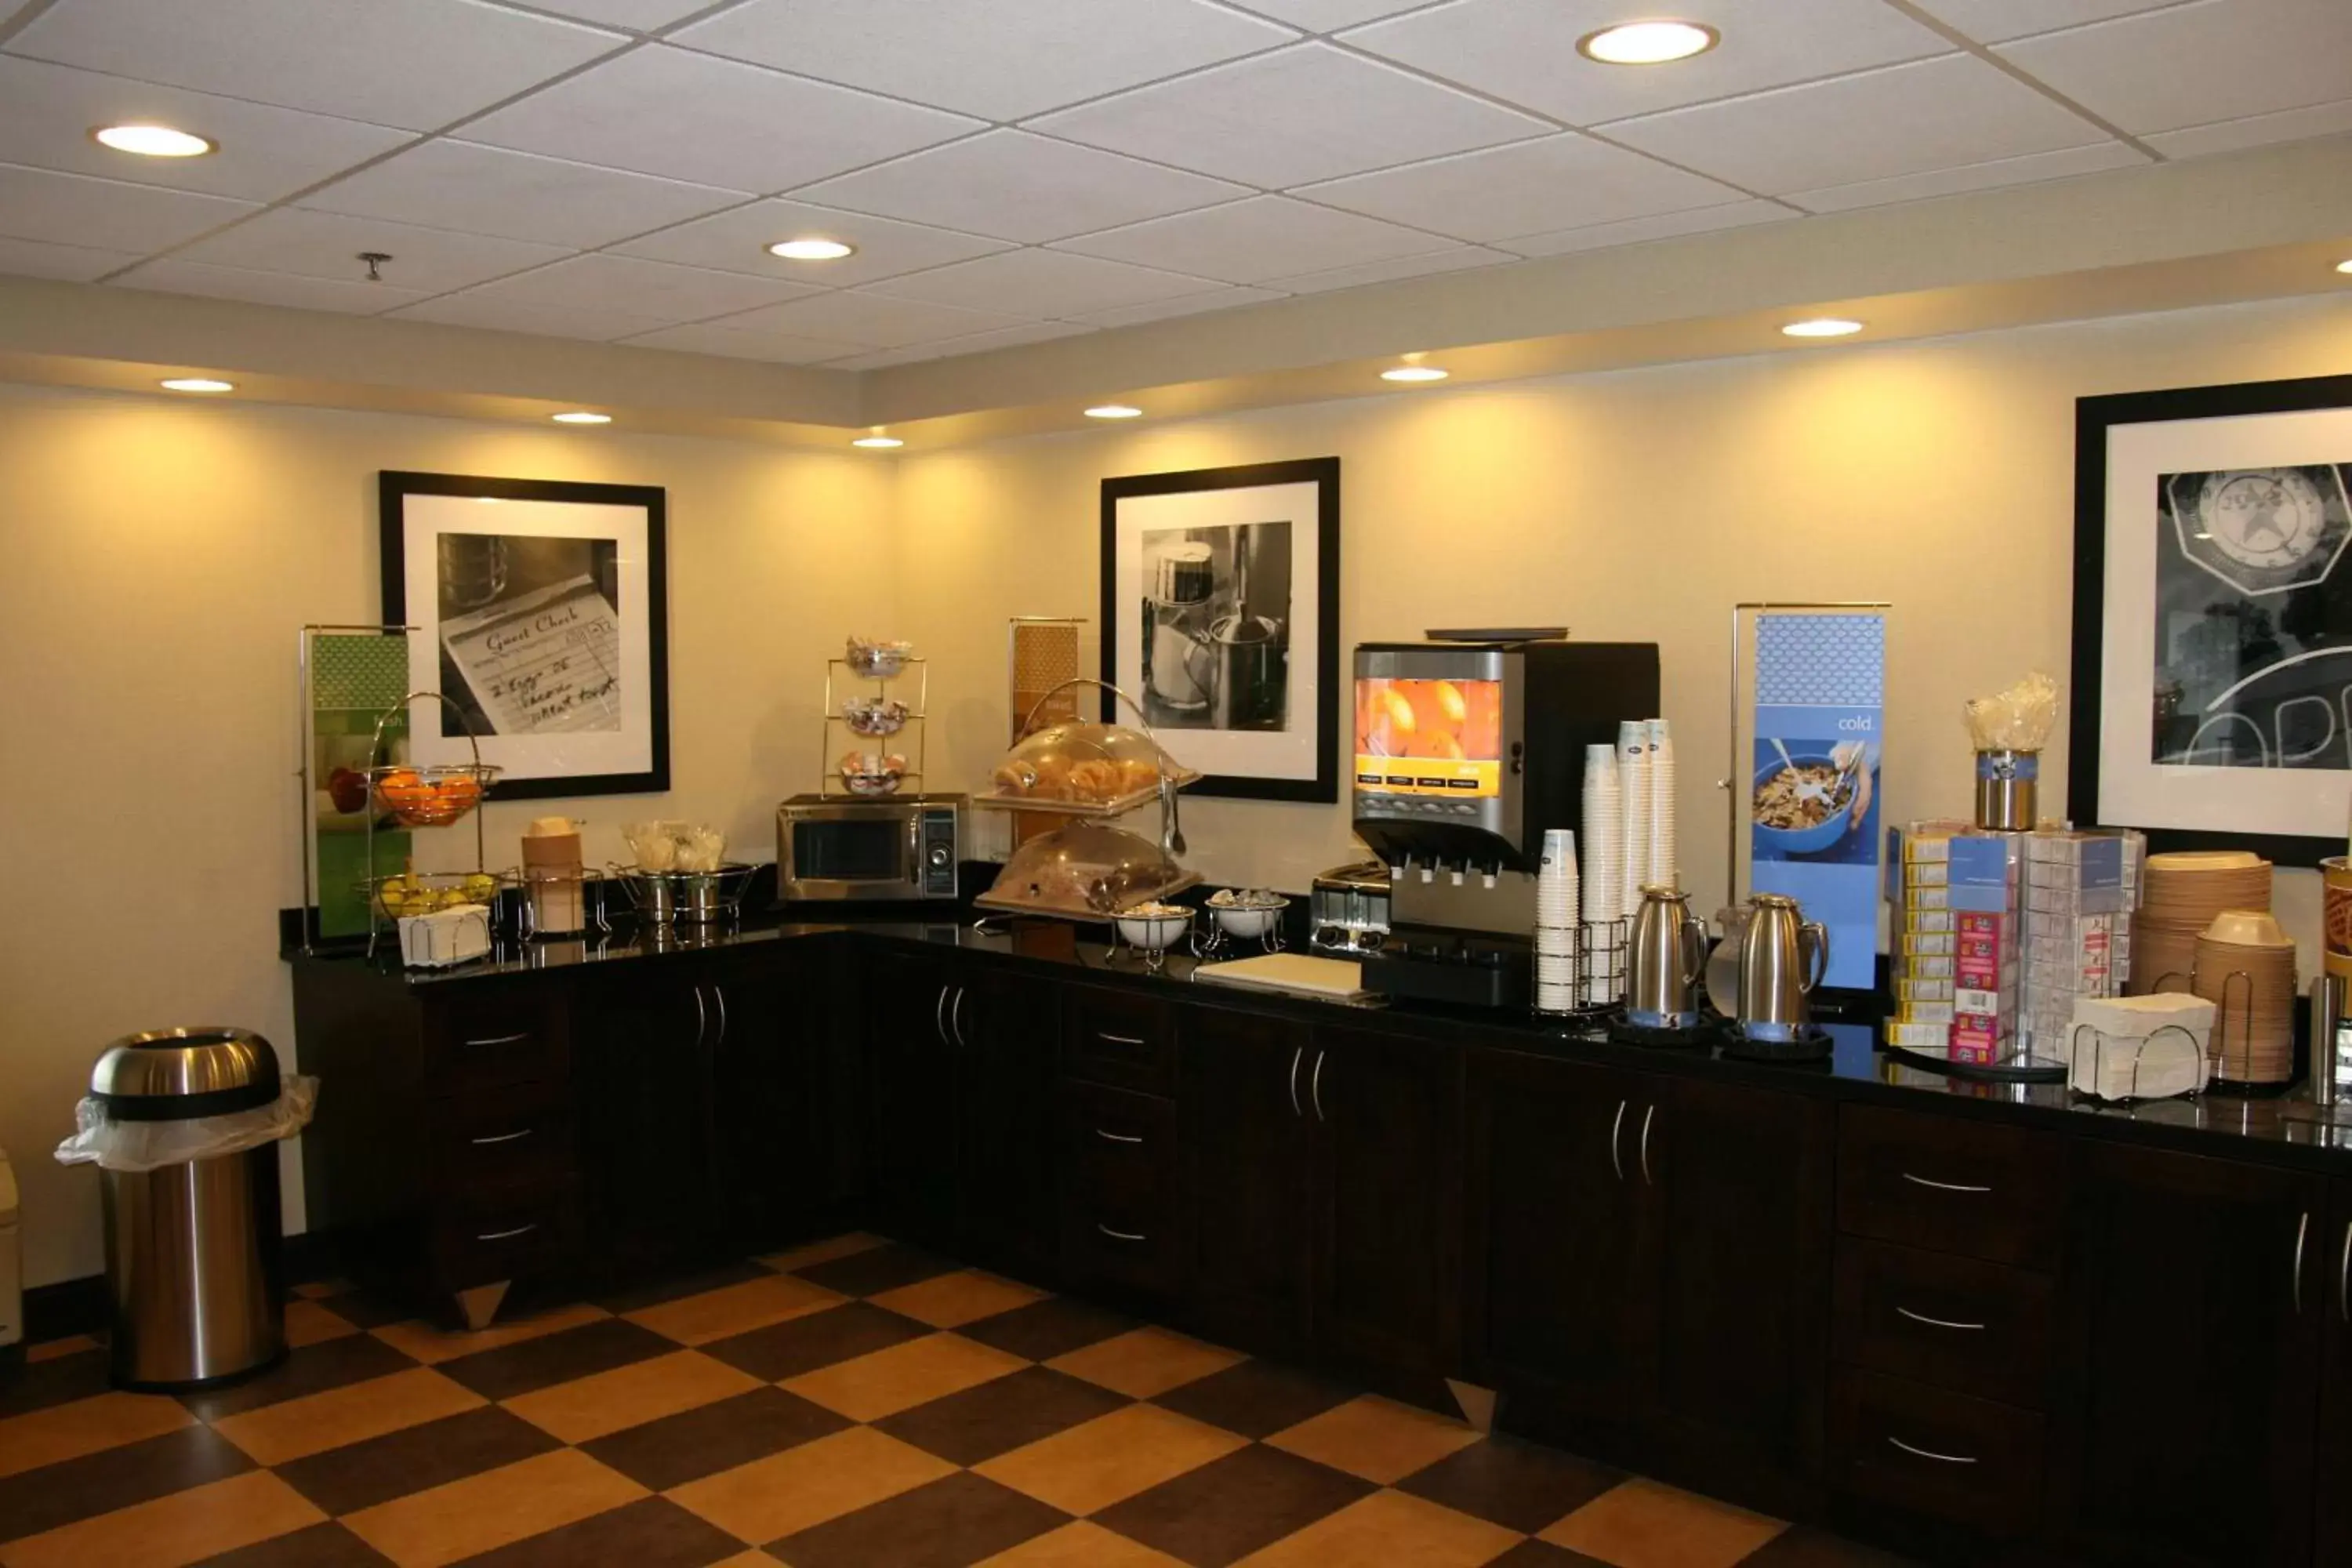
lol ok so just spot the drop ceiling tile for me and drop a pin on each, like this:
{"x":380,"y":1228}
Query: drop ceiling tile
{"x":1525,"y":50}
{"x":2192,"y":65}
{"x":1003,"y":59}
{"x":1994,"y":21}
{"x":2257,"y":131}
{"x":1527,"y":187}
{"x":1929,"y":114}
{"x":418,"y":65}
{"x":1184,"y":305}
{"x":870,"y":320}
{"x":660,"y":290}
{"x":1311,"y":112}
{"x":738,"y":240}
{"x":170,"y":275}
{"x":976,"y":343}
{"x":779,"y":348}
{"x":636,"y":16}
{"x":1459,"y":258}
{"x":1331,"y":15}
{"x":105,"y":215}
{"x":516,"y":196}
{"x":1042,"y":284}
{"x":1013,"y":186}
{"x":473,"y":309}
{"x":327,"y":244}
{"x":73,"y":263}
{"x":47,"y":114}
{"x":1969,"y":177}
{"x":1640,"y":231}
{"x":1253,"y":240}
{"x":660,"y":111}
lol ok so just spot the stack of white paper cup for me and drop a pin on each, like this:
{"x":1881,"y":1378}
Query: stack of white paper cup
{"x":1633,"y":788}
{"x":1556,"y":911}
{"x":1603,"y":888}
{"x":1666,"y":860}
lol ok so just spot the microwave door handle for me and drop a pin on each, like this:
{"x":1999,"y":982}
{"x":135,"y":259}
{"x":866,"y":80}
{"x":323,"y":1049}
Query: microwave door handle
{"x":911,"y":872}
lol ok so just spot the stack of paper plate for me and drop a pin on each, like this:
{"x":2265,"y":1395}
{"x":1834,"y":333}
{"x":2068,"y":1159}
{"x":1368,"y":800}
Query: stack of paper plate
{"x":2245,"y":967}
{"x":2183,"y":891}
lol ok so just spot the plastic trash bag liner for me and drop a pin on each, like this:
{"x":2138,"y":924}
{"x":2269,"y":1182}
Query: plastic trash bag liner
{"x":114,"y":1145}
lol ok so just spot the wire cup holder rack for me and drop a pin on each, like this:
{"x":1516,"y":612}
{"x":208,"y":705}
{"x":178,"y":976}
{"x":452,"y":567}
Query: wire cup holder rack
{"x":1598,"y":954}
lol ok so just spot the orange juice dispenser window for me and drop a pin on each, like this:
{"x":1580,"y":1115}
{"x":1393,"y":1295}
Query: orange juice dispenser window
{"x":1429,"y":737}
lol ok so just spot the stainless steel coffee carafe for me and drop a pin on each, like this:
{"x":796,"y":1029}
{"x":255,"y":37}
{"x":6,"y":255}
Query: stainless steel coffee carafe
{"x":1669,"y":955}
{"x":1777,"y":971}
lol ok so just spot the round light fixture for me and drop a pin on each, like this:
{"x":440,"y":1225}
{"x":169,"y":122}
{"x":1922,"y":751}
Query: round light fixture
{"x":2344,"y":267}
{"x":581,"y":416}
{"x":877,"y":442}
{"x":1821,"y":327}
{"x":1414,"y":373}
{"x":1113,"y":410}
{"x":1647,"y":43}
{"x":197,"y":383}
{"x":152,"y":141}
{"x":812,"y":249}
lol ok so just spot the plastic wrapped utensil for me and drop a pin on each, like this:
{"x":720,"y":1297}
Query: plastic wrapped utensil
{"x":2017,"y":719}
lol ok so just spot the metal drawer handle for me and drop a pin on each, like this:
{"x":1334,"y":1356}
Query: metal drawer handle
{"x":1617,"y":1160}
{"x":1647,"y":1115}
{"x":1117,"y":1040}
{"x":1928,"y":1454}
{"x":501,"y":1039}
{"x":1943,"y":1186}
{"x":1314,"y":1086}
{"x":508,"y":1235}
{"x":1296,"y":1053}
{"x":501,"y":1137}
{"x":1119,"y":1235}
{"x":2302,"y":1234}
{"x":1116,"y":1137}
{"x":1936,"y":1322}
{"x":2343,"y":1276}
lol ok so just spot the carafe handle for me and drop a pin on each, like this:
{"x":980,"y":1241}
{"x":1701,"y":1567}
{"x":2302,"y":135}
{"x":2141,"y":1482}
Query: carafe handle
{"x":1819,"y":936}
{"x":1695,"y":950}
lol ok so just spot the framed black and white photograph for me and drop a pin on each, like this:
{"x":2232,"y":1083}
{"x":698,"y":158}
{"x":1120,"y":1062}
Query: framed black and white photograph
{"x":542,"y":621}
{"x":2212,"y":644}
{"x":1220,"y":591}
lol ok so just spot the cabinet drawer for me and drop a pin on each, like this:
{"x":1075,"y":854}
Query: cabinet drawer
{"x":1956,"y":1323}
{"x":1113,"y":1037}
{"x":1951,"y":1186}
{"x":498,"y":1239}
{"x":1967,"y":1461}
{"x":504,"y":1035}
{"x":1119,"y":1208}
{"x":502,"y":1140}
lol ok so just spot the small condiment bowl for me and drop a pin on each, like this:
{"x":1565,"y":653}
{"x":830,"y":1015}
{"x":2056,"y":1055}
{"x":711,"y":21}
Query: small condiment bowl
{"x":1153,"y":933}
{"x":2248,"y":928}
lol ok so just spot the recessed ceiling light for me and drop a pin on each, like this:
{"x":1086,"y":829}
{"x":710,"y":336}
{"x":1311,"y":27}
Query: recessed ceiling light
{"x":197,"y":383}
{"x":879,"y":441}
{"x":2344,"y":267}
{"x":581,"y":416}
{"x":1113,"y":410}
{"x":1414,"y":373}
{"x":1647,"y":43}
{"x":1821,"y":327}
{"x":152,"y":141}
{"x":812,"y":249}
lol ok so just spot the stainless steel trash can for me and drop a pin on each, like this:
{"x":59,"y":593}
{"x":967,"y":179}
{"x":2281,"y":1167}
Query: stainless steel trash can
{"x":192,"y":1250}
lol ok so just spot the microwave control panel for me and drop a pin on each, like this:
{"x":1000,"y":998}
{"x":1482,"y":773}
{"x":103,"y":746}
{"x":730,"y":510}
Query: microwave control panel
{"x":937,"y":865}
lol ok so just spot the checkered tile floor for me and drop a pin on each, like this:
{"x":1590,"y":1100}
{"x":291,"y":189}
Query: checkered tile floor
{"x":852,"y":1404}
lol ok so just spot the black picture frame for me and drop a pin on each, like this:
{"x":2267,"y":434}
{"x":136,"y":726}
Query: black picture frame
{"x":393,"y":490}
{"x":2095,"y":418}
{"x":1324,"y":474}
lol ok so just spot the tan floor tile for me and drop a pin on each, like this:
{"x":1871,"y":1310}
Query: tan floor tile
{"x":1644,"y":1524}
{"x":291,"y":1429}
{"x":184,"y":1527}
{"x":951,"y":1300}
{"x":432,"y":1344}
{"x":607,"y":1401}
{"x":1395,"y":1531}
{"x":751,"y":1560}
{"x":1145,"y":1362}
{"x":1100,"y":1462}
{"x":736,"y":1309}
{"x":784,"y":1493}
{"x":1376,"y":1439}
{"x":52,"y":1350}
{"x":870,"y":1387}
{"x":68,"y":1431}
{"x":817,"y":1252}
{"x":308,"y":1322}
{"x":458,"y":1519}
{"x":1080,"y":1544}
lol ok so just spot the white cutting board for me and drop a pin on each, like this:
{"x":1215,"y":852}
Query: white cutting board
{"x":1332,"y":978}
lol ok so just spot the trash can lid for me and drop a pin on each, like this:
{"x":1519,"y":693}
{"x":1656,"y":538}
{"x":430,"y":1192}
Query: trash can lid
{"x":178,"y":1075}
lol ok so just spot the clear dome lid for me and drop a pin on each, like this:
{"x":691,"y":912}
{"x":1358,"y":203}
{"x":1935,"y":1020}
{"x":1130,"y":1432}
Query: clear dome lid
{"x":1088,"y":871}
{"x":1084,"y":768}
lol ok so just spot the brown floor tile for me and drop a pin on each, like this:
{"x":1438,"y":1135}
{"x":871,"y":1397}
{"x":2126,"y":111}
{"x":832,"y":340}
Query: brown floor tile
{"x":1544,"y":1554}
{"x":321,"y":1546}
{"x":876,"y":1268}
{"x":1008,"y":1413}
{"x":320,"y":1290}
{"x":464,"y":1517}
{"x":1395,"y":1531}
{"x":365,"y":1308}
{"x":186,"y":1526}
{"x":293,"y":1428}
{"x":786,"y":1493}
{"x":951,"y":1300}
{"x":1258,"y":1398}
{"x":736,"y":1309}
{"x":57,"y":1380}
{"x":954,"y":1521}
{"x":603,"y":1403}
{"x":1043,"y":1330}
{"x":57,"y":1349}
{"x":804,"y":1344}
{"x":654,"y":1293}
{"x":1644,"y":1524}
{"x":753,"y":1558}
{"x":1225,"y":1510}
{"x":433,"y":1344}
{"x":32,"y":1501}
{"x":551,"y":1359}
{"x":1524,"y":1486}
{"x":1081,"y":1543}
{"x":1110,"y":1459}
{"x":414,"y":1459}
{"x":1801,"y":1546}
{"x":915,"y":1373}
{"x":1145,"y":1362}
{"x":686,"y":1446}
{"x":653,"y":1533}
{"x":332,"y":1363}
{"x":308,"y":1322}
{"x":65,"y":1432}
{"x":1376,"y":1439}
{"x":825,"y":1251}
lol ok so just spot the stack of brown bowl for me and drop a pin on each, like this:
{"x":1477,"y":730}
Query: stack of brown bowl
{"x":2182,"y":891}
{"x":2245,"y":967}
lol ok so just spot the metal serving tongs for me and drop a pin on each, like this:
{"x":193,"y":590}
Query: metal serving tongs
{"x":1172,"y":821}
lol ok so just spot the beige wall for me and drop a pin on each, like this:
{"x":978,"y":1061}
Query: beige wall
{"x":159,"y":557}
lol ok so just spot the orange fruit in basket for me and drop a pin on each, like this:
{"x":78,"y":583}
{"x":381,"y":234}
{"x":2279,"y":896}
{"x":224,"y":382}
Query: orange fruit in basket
{"x":458,"y":790}
{"x":402,"y":788}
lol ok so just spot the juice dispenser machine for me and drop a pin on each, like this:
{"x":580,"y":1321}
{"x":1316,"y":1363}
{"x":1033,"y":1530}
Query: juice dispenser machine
{"x":1468,"y":748}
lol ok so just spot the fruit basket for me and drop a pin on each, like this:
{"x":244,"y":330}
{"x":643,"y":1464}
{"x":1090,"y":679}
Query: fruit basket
{"x":408,"y":893}
{"x":429,"y":797}
{"x":425,"y":795}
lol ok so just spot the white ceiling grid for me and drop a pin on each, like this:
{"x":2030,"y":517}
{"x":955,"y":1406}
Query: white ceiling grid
{"x":1014,"y":171}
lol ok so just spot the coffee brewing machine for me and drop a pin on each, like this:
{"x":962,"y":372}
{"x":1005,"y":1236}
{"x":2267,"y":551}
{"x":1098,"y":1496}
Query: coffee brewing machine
{"x":1469,"y":746}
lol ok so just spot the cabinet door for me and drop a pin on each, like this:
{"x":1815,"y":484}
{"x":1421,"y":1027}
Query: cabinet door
{"x":1562,"y":1297}
{"x":1005,"y":1027}
{"x":1243,"y":1105}
{"x":2196,"y":1289}
{"x":770,"y":1024}
{"x":912,"y":1116}
{"x":1388,"y":1199}
{"x":649,"y":1147}
{"x":2334,"y":1260}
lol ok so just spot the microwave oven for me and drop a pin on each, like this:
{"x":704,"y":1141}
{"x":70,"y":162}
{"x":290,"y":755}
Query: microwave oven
{"x":892,"y":848}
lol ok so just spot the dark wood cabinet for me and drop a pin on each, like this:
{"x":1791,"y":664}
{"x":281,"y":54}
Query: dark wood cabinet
{"x":1004,"y":1026}
{"x":911,"y":1111}
{"x":649,"y":1123}
{"x":1244,"y":1110}
{"x":2334,"y":1261}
